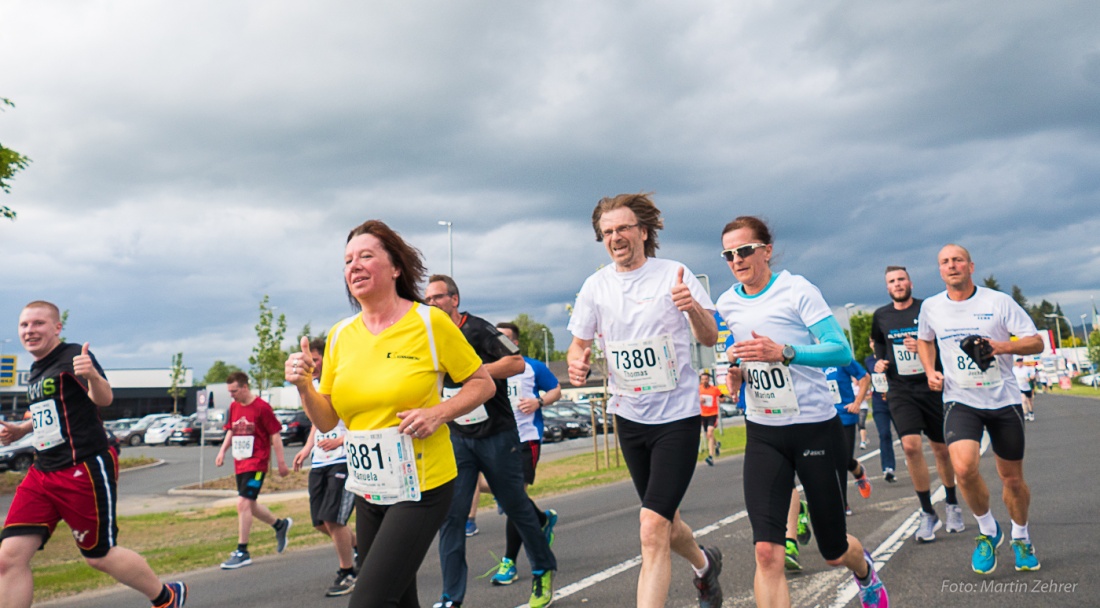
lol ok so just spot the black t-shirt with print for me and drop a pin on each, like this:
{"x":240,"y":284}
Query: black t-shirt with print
{"x":59,"y":398}
{"x":491,"y":346}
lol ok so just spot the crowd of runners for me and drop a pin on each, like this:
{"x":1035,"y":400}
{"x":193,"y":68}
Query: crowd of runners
{"x":415,"y":404}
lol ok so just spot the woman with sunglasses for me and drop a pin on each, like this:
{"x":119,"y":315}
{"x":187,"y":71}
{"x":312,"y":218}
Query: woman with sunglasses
{"x":382,"y":377}
{"x":785,"y":335}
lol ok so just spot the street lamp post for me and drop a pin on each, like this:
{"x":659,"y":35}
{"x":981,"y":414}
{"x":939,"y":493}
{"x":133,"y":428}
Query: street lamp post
{"x":6,"y":340}
{"x":848,"y":315}
{"x":450,"y":247}
{"x":546,"y":345}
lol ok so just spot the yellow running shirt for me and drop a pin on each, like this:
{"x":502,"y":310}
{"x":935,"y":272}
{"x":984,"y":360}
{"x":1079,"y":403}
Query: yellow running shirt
{"x":371,"y":378}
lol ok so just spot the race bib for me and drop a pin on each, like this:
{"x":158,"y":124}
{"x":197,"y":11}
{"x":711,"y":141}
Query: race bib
{"x":382,"y":466}
{"x":480,"y":414}
{"x":326,"y":456}
{"x":834,"y":390}
{"x":643,"y":366}
{"x":47,"y":425}
{"x":513,"y":392}
{"x":880,"y":383}
{"x":769,"y":390}
{"x":243,"y":446}
{"x":907,"y":363}
{"x":965,"y":373}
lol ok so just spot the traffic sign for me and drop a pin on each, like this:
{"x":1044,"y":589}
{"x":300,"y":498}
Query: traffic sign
{"x":7,"y":370}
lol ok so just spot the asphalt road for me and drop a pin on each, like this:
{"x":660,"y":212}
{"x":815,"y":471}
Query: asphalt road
{"x":597,"y":544}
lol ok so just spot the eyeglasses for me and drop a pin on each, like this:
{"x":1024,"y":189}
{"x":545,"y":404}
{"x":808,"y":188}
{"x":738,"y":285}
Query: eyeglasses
{"x":744,"y":251}
{"x":610,"y":232}
{"x":430,"y":300}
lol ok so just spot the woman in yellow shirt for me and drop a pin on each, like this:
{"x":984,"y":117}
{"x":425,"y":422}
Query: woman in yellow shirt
{"x":382,"y":373}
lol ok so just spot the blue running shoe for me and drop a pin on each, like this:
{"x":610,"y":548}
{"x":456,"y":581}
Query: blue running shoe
{"x":874,"y":594}
{"x":178,"y":591}
{"x":471,"y":527}
{"x":548,"y":528}
{"x":506,"y":573}
{"x":1025,"y":556}
{"x":984,"y":560}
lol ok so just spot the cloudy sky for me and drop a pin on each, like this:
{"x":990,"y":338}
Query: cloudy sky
{"x":189,"y":158}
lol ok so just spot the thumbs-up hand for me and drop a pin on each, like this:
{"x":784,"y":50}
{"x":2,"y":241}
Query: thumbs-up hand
{"x":681,"y":295}
{"x":579,"y":368}
{"x":299,"y":366}
{"x":82,"y":364}
{"x":12,"y":431}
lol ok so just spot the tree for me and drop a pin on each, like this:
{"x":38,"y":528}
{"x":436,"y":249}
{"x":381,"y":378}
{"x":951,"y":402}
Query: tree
{"x":219,"y":372}
{"x":1094,"y":348}
{"x":1018,"y":296}
{"x":861,"y":335}
{"x":174,"y":389}
{"x":991,"y":283}
{"x":533,"y":342}
{"x":11,"y":162}
{"x":64,"y":322}
{"x":268,"y":357}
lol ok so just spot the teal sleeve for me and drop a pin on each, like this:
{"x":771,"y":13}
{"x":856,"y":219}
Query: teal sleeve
{"x":832,"y":348}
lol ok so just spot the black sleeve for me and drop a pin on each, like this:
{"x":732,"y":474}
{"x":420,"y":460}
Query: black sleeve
{"x":878,"y":338}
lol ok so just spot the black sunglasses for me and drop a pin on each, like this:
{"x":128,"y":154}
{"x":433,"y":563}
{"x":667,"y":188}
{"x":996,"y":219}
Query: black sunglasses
{"x":743,"y":251}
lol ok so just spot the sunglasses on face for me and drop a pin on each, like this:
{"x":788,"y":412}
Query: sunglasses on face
{"x":744,"y":251}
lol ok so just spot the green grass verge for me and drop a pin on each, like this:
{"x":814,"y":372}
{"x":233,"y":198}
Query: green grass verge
{"x":186,"y":540}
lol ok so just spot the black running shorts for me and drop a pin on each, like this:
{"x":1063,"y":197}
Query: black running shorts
{"x":661,"y":459}
{"x":328,"y":500}
{"x":917,"y":412}
{"x":1005,"y":427}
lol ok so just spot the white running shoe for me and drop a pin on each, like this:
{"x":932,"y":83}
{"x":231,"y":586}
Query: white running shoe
{"x":929,"y":523}
{"x":955,"y":519}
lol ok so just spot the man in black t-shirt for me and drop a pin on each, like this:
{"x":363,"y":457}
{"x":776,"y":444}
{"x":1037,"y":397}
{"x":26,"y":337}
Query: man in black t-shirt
{"x":914,"y":407}
{"x":75,"y":476}
{"x":486,"y":441}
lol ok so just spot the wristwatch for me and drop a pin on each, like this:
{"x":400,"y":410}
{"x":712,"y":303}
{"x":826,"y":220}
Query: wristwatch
{"x":788,"y":354}
{"x":539,"y":399}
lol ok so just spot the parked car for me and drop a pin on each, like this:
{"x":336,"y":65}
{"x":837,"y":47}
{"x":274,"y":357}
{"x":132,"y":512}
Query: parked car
{"x":296,"y":426}
{"x":215,"y":425}
{"x":19,"y":455}
{"x":552,"y":431}
{"x":159,"y":432}
{"x":115,"y":426}
{"x":584,"y":410}
{"x":135,"y":435}
{"x":572,"y":424}
{"x":189,"y":431}
{"x":1089,"y":380}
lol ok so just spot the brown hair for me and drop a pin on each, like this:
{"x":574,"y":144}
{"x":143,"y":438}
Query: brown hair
{"x":50,"y":306}
{"x":890,"y":269}
{"x":240,"y":378}
{"x":407,"y":259}
{"x":510,"y":326}
{"x":756,"y":225}
{"x":317,"y":345}
{"x":452,"y":287}
{"x":649,"y":217}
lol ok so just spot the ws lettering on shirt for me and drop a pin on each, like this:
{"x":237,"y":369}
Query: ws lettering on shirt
{"x":987,"y":313}
{"x":67,"y":426}
{"x":536,"y":379}
{"x":783,"y":311}
{"x":370,"y":378}
{"x":646,"y":339}
{"x":252,"y":426}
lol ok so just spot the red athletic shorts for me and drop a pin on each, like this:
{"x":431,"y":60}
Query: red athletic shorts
{"x":83,"y":496}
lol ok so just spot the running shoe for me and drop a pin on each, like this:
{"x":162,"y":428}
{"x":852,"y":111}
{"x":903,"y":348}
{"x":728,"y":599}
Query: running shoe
{"x":888,"y":475}
{"x":471,"y":527}
{"x":955,"y":519}
{"x":178,"y":591}
{"x":874,"y":594}
{"x":984,"y":560}
{"x":281,"y":535}
{"x":500,"y":509}
{"x":542,"y":589}
{"x":790,"y":561}
{"x":548,"y":527}
{"x":929,"y":523}
{"x":710,"y":590}
{"x":863,"y":485}
{"x":446,"y":602}
{"x":717,"y":448}
{"x":709,"y":460}
{"x":237,"y":559}
{"x":862,"y":445}
{"x":343,"y":585}
{"x":847,"y":510}
{"x":804,"y":532}
{"x":506,"y":573}
{"x":1025,"y":556}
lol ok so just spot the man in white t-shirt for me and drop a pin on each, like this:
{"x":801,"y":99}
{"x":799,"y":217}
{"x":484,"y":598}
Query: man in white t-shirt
{"x":643,"y":312}
{"x":330,"y":505}
{"x":1025,"y":376}
{"x":973,"y":327}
